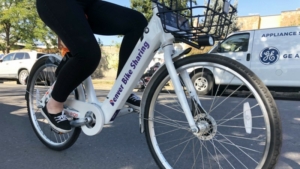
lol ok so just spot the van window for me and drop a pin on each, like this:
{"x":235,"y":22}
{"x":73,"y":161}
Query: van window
{"x":235,"y":43}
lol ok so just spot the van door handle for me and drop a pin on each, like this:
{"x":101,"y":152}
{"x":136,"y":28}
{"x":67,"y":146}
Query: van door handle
{"x":248,"y":56}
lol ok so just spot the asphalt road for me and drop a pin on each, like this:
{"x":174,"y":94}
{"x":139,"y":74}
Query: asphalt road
{"x":119,"y":146}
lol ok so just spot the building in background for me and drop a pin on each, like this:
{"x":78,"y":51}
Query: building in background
{"x":286,"y":18}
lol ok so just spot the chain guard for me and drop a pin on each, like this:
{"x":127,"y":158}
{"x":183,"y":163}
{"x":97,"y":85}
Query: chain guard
{"x":83,"y":108}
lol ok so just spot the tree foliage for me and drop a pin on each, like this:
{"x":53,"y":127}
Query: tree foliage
{"x":144,"y":6}
{"x":219,"y":8}
{"x":232,"y":28}
{"x":20,"y":23}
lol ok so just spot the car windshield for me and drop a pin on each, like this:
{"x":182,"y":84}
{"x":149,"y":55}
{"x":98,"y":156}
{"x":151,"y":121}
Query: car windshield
{"x":1,"y":56}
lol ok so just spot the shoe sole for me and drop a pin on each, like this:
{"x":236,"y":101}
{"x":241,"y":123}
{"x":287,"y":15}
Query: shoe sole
{"x":133,"y":106}
{"x":52,"y":125}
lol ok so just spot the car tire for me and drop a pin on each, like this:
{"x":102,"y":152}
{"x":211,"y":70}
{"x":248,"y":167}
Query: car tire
{"x":203,"y":83}
{"x":23,"y":74}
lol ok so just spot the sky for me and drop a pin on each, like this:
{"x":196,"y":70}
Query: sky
{"x":245,"y":8}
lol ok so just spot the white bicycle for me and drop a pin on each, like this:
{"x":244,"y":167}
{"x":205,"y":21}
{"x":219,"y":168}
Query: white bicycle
{"x":237,"y":126}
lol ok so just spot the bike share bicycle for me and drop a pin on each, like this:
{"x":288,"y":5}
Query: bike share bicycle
{"x":183,"y":130}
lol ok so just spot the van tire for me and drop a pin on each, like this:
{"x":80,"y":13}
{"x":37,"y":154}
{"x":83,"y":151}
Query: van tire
{"x":203,"y":83}
{"x":23,"y":74}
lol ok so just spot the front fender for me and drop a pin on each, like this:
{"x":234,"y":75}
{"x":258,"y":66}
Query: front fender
{"x":146,"y":92}
{"x":52,"y":57}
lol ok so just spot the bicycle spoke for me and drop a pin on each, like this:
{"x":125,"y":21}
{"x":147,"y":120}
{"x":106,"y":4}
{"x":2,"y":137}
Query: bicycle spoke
{"x":202,"y":155}
{"x":168,"y":132}
{"x":212,"y":142}
{"x":175,"y":100}
{"x":254,"y":139}
{"x":208,"y":153}
{"x":238,"y":114}
{"x":169,"y":124}
{"x":233,"y":155}
{"x":258,"y":128}
{"x":215,"y":101}
{"x":173,"y":140}
{"x":224,"y":157}
{"x":178,"y":144}
{"x":238,"y":148}
{"x":253,"y":117}
{"x":181,"y":152}
{"x":241,"y":102}
{"x":241,"y":147}
{"x":224,"y":99}
{"x":171,"y":108}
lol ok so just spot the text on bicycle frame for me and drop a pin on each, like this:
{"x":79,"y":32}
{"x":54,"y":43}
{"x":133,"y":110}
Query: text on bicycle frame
{"x":128,"y":73}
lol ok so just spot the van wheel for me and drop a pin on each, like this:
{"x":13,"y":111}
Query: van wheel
{"x":22,"y":77}
{"x":203,"y":83}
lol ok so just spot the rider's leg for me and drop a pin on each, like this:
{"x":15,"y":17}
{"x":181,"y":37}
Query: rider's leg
{"x":122,"y":21}
{"x":67,"y":19}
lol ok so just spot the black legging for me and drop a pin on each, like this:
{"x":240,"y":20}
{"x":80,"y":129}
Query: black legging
{"x":67,"y":19}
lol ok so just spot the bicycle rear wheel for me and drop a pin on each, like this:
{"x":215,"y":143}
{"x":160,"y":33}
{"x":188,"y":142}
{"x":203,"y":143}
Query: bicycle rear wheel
{"x":41,"y":77}
{"x":243,"y":128}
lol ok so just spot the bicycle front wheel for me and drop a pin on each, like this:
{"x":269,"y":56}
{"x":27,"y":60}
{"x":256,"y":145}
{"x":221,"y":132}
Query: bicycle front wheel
{"x":41,"y":77}
{"x":243,"y":128}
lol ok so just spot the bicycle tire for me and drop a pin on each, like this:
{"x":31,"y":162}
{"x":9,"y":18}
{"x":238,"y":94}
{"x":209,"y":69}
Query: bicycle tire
{"x":40,"y":74}
{"x":154,"y":122}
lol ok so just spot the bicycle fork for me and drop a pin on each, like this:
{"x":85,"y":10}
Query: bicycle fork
{"x":178,"y":89}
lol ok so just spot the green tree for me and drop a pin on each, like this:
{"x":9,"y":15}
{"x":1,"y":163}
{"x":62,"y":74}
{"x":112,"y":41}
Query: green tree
{"x":232,"y":28}
{"x":144,"y":6}
{"x":19,"y":22}
{"x":216,"y":20}
{"x":100,"y":43}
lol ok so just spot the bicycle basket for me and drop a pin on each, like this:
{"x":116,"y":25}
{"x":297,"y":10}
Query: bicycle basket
{"x":191,"y":23}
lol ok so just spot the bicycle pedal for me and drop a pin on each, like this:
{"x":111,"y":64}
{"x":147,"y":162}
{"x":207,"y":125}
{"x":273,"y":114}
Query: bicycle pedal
{"x":132,"y":109}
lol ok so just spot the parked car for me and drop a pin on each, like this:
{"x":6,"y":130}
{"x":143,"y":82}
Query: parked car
{"x":17,"y":65}
{"x":273,"y":54}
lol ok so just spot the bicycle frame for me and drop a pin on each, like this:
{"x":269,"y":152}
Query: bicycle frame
{"x":153,"y":38}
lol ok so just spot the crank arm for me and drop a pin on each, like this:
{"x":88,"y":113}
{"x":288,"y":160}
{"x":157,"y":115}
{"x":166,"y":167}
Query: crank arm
{"x":86,"y":111}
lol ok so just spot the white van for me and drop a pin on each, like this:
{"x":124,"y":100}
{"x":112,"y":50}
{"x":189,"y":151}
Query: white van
{"x":272,"y":54}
